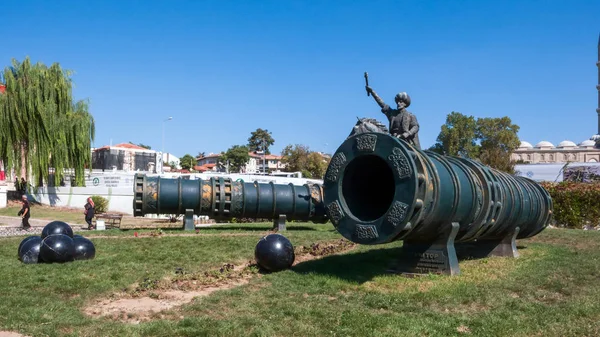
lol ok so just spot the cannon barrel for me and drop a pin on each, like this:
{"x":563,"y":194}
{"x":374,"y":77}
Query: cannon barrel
{"x":224,"y":198}
{"x":379,"y":189}
{"x":376,"y":189}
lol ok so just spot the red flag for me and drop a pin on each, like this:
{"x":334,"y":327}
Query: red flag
{"x":2,"y":88}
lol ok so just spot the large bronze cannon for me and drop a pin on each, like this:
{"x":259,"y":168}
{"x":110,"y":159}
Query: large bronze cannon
{"x":379,"y":189}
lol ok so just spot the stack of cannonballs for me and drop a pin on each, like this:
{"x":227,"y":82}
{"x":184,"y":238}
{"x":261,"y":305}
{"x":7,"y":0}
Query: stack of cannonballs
{"x":274,"y":253}
{"x":56,"y":244}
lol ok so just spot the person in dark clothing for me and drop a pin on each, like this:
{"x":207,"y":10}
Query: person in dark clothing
{"x":89,"y":212}
{"x":25,"y":214}
{"x":23,"y":185}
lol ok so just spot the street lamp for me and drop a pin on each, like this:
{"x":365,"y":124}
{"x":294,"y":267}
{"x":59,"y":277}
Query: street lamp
{"x":264,"y":154}
{"x":163,"y":140}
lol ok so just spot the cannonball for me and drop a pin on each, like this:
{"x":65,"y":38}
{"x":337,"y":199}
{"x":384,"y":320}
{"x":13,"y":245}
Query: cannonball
{"x":77,"y":236}
{"x":274,"y":252}
{"x":27,"y":239}
{"x":29,"y":249}
{"x":84,"y":248}
{"x":57,"y":227}
{"x":57,"y":248}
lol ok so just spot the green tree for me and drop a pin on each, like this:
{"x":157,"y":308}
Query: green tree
{"x":491,"y":140}
{"x":187,"y":161}
{"x":260,"y":140}
{"x":41,"y":127}
{"x":317,"y":165}
{"x":458,"y":136}
{"x":295,"y":157}
{"x":299,"y":158}
{"x":237,"y":156}
{"x":498,"y":139}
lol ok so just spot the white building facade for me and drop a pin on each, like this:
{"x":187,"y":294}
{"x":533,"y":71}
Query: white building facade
{"x":257,"y":163}
{"x":565,"y":151}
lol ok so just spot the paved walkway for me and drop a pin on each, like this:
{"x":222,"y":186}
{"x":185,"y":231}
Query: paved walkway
{"x":13,"y":226}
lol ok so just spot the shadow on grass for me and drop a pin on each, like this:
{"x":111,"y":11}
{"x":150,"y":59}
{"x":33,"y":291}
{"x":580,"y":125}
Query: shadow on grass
{"x":264,"y":228}
{"x":354,"y":267}
{"x":360,"y":267}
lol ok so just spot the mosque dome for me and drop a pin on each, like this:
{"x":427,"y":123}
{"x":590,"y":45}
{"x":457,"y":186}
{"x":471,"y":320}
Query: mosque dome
{"x":588,"y":142}
{"x":566,"y":143}
{"x":544,"y":143}
{"x":525,"y":145}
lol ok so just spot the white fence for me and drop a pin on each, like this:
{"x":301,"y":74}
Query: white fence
{"x":549,"y":172}
{"x":3,"y":194}
{"x":120,"y":199}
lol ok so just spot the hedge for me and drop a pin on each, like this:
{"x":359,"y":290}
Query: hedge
{"x":100,"y":204}
{"x":575,"y":204}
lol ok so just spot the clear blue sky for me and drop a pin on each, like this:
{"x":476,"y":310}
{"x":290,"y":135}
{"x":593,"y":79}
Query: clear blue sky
{"x":224,"y":68}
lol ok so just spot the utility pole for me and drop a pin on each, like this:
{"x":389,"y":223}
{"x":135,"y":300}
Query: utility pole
{"x":162,"y":152}
{"x":264,"y":154}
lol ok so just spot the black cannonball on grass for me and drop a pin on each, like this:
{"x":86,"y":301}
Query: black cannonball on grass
{"x":57,"y":227}
{"x":84,"y":248}
{"x":27,"y":239}
{"x":29,"y":249}
{"x":57,"y":248}
{"x":274,"y":252}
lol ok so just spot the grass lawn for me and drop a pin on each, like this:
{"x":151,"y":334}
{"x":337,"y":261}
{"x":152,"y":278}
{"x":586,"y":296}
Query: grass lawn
{"x":552,"y":290}
{"x":70,"y":215}
{"x":49,"y":213}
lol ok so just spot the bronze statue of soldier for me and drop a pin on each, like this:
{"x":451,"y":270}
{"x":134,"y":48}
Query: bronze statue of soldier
{"x":403,"y":124}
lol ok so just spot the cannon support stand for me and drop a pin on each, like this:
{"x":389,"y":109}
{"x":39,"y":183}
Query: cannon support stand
{"x":279,"y":223}
{"x":506,"y":247}
{"x":437,"y":256}
{"x":188,"y":220}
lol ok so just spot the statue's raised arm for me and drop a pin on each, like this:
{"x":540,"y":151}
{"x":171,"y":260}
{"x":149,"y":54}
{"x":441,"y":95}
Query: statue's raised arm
{"x":376,"y":97}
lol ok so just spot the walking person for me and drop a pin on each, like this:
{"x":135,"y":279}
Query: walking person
{"x":89,"y":212}
{"x":23,"y":185}
{"x":25,"y":214}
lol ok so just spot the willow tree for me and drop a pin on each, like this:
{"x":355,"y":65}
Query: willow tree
{"x":41,"y":127}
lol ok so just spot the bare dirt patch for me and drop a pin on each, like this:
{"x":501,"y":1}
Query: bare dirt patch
{"x":463,"y":329}
{"x":140,"y":309}
{"x":151,"y":298}
{"x":317,"y":250}
{"x":163,"y":235}
{"x":464,"y":308}
{"x":10,"y":334}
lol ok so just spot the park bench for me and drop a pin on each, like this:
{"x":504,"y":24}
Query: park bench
{"x":110,"y":219}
